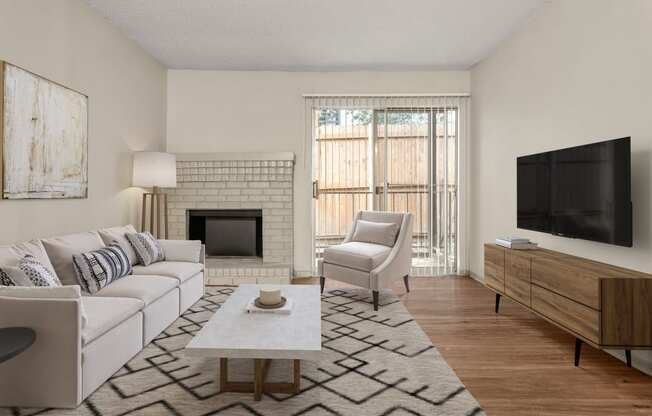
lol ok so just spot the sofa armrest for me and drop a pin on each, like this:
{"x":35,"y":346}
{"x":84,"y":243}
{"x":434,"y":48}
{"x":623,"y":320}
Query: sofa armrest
{"x":49,"y":373}
{"x":398,"y":263}
{"x":182,"y":250}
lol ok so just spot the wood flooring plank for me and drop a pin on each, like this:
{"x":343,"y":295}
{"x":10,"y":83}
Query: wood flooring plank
{"x":515,"y":363}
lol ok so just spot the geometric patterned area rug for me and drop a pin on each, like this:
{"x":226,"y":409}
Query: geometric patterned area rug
{"x":373,"y":363}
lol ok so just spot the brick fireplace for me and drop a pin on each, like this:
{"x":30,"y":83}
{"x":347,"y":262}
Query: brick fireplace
{"x":226,"y":193}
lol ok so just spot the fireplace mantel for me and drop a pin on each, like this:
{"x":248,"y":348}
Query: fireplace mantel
{"x":285,"y":156}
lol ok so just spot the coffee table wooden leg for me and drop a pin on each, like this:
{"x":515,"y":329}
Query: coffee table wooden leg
{"x":297,"y":376}
{"x":224,"y":373}
{"x":259,"y":378}
{"x":259,"y":384}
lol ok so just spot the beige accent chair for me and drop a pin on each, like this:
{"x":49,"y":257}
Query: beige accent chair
{"x":368,"y":265}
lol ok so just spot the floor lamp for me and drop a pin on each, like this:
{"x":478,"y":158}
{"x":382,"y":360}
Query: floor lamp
{"x":155,"y":170}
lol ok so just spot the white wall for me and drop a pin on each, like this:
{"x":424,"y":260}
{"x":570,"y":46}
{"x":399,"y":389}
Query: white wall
{"x":577,"y":72}
{"x":68,"y":42}
{"x":233,"y":111}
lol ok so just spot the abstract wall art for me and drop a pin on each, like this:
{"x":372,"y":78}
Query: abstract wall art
{"x":44,"y":133}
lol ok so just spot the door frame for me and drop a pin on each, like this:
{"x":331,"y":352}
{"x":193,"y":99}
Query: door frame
{"x":461,"y":166}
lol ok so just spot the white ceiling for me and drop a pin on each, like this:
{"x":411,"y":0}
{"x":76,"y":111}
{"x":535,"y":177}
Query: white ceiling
{"x":317,"y":35}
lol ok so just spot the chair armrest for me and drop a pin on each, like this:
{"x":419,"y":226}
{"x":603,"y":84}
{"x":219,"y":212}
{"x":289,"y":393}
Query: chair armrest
{"x":398,"y":263}
{"x":182,"y":250}
{"x":49,"y":373}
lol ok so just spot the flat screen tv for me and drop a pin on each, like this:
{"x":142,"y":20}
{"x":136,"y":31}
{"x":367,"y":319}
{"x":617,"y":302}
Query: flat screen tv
{"x":579,"y":192}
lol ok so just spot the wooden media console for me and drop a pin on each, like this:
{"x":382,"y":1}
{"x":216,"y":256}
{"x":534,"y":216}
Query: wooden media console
{"x":602,"y":305}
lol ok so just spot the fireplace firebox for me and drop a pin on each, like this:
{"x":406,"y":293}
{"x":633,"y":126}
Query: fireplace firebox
{"x":227,"y":232}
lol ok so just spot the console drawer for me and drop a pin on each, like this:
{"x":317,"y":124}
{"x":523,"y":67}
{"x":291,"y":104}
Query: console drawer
{"x":494,"y":268}
{"x":571,"y":315}
{"x":574,"y":283}
{"x":517,"y":277}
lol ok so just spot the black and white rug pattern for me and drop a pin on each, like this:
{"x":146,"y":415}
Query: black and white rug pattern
{"x":373,"y":363}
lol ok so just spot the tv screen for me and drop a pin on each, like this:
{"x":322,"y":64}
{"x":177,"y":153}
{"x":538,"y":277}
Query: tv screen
{"x":579,"y":192}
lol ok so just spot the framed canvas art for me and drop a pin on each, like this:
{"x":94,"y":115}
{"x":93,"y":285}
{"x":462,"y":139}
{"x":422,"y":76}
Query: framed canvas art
{"x":44,"y":133}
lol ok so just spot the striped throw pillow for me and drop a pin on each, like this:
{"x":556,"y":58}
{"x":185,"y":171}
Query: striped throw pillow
{"x":98,"y":268}
{"x":146,"y":247}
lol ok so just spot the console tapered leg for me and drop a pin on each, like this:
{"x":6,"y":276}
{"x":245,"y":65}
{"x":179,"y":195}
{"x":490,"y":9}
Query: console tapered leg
{"x":375,"y":296}
{"x":406,"y":282}
{"x":628,"y":356}
{"x":497,"y":302}
{"x":322,"y":283}
{"x":578,"y":351}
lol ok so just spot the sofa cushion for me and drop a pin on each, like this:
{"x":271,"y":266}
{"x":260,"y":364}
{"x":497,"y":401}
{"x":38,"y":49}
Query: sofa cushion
{"x":118,"y":235}
{"x":383,"y":233}
{"x":10,"y":255}
{"x":356,"y":255}
{"x":147,"y":289}
{"x":105,"y":313}
{"x":61,"y":249}
{"x":99,"y":268}
{"x":180,"y":270}
{"x":181,"y":250}
{"x":146,"y":247}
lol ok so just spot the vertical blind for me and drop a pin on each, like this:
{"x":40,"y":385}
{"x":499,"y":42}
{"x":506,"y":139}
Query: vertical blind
{"x":392,"y":153}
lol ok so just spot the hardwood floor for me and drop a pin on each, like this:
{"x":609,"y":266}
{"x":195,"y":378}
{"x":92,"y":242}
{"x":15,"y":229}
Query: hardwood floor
{"x":515,"y":363}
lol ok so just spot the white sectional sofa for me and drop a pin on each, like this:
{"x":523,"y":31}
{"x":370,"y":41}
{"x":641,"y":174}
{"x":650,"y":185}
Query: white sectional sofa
{"x":81,"y":342}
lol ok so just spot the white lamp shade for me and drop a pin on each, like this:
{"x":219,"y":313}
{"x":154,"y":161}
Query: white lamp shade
{"x":155,"y":169}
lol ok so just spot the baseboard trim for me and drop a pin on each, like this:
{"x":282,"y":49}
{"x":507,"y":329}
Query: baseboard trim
{"x":476,"y":277}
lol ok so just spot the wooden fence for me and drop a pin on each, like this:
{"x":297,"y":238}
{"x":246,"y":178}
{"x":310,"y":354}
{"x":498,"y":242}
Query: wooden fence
{"x":342,"y":170}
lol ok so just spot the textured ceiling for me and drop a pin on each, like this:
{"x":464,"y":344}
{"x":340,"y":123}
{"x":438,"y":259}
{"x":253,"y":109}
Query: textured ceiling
{"x":317,"y":35}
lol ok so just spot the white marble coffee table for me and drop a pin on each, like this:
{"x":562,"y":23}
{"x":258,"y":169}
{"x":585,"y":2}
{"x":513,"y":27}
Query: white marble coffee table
{"x":234,"y":333}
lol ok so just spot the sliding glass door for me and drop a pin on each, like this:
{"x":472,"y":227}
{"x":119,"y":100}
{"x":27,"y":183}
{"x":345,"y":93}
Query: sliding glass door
{"x":342,"y":177}
{"x":397,"y":159}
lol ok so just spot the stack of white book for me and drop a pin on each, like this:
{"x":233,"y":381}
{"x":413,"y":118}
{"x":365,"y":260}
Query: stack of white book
{"x":516,"y":243}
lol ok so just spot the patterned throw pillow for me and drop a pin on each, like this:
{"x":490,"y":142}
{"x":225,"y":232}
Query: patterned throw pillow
{"x":37,"y":272}
{"x":146,"y":247}
{"x":98,"y":268}
{"x":13,"y":276}
{"x":5,"y":280}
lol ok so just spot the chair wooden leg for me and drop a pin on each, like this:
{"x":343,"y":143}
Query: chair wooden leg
{"x":322,"y":283}
{"x":406,"y":282}
{"x":374,"y":293}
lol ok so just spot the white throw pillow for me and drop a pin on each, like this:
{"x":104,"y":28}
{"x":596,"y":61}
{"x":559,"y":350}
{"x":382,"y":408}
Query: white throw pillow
{"x":181,"y":250}
{"x":383,"y":233}
{"x":37,"y":292}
